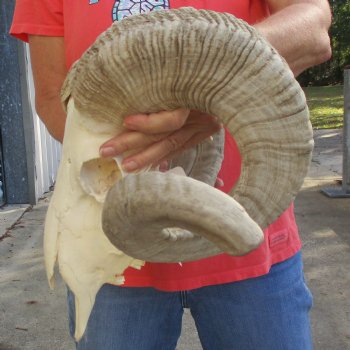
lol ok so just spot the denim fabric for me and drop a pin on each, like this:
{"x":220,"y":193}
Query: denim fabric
{"x":264,"y":313}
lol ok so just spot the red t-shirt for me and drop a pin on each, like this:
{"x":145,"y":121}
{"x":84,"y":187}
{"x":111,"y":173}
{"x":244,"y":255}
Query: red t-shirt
{"x":80,"y":22}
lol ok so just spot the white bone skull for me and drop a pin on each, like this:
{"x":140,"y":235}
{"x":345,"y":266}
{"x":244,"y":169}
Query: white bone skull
{"x":199,"y":60}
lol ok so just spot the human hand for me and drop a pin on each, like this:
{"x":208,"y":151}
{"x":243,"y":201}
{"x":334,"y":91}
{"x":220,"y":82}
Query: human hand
{"x":160,"y":136}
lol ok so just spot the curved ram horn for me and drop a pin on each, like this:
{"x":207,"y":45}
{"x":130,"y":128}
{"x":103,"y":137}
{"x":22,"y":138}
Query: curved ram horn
{"x":157,"y":62}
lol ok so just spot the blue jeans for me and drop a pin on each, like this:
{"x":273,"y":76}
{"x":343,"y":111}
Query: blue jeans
{"x":264,"y":313}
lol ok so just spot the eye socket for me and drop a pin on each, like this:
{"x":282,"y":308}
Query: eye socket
{"x":97,"y":176}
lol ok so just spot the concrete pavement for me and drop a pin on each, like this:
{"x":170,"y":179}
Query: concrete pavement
{"x":325,"y":230}
{"x":33,"y":317}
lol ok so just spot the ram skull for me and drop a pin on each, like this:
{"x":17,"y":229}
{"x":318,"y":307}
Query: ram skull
{"x":99,"y":222}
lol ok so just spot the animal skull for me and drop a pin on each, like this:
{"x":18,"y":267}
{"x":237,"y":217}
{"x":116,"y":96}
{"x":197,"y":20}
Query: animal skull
{"x":99,"y":223}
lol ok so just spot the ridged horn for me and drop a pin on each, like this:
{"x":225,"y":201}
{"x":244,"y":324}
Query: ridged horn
{"x":217,"y":64}
{"x":221,"y":225}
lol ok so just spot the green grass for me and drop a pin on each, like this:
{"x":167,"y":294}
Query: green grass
{"x":326,"y":106}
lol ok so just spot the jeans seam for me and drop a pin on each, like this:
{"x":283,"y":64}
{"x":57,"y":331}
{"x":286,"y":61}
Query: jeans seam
{"x":184,"y":301}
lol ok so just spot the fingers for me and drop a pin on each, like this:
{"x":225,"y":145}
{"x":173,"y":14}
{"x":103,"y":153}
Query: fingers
{"x":195,"y":139}
{"x":167,"y":148}
{"x":159,"y":151}
{"x":201,"y":119}
{"x":127,"y":141}
{"x":159,"y":136}
{"x":160,"y":122}
{"x":149,"y":128}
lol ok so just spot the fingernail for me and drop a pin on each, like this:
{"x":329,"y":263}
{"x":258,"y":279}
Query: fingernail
{"x":164,"y":166}
{"x":219,"y":182}
{"x":130,"y":166}
{"x":130,"y":122}
{"x":107,"y":152}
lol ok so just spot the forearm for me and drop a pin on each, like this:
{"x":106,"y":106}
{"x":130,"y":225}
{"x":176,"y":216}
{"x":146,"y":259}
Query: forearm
{"x":299,"y":32}
{"x":49,"y":71}
{"x":51,"y":112}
